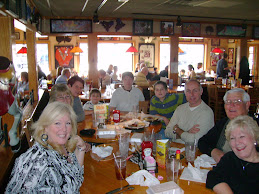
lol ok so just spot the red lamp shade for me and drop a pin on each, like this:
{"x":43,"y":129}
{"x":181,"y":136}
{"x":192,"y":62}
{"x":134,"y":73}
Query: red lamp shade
{"x":132,"y":49}
{"x":76,"y":50}
{"x":217,"y":50}
{"x":180,"y":50}
{"x":23,"y":50}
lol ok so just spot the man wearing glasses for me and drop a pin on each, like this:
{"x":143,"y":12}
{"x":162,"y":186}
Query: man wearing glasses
{"x":214,"y":143}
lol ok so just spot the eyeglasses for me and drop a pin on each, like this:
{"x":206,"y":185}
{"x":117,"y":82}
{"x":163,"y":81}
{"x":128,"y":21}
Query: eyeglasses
{"x":234,"y":102}
{"x":64,"y":97}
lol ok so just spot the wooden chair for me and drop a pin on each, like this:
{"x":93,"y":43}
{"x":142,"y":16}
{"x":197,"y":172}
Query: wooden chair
{"x":253,"y":93}
{"x":215,"y":101}
{"x":28,"y":132}
{"x":218,"y":81}
{"x":144,"y":106}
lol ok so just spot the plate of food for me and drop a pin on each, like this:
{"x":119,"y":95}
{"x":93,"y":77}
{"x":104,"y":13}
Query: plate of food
{"x":105,"y":148}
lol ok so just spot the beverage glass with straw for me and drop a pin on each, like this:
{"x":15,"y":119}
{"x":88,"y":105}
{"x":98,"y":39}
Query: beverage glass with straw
{"x":120,"y":167}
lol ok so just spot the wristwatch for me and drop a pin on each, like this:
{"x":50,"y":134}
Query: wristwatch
{"x":174,"y":129}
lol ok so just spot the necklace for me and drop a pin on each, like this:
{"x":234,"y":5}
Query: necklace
{"x":243,"y":166}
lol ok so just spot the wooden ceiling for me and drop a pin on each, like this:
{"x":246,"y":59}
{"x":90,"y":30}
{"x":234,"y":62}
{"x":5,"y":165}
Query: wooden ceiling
{"x":189,"y":10}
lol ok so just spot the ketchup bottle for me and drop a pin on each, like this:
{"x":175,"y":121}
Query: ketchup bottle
{"x":116,"y":116}
{"x":144,"y":145}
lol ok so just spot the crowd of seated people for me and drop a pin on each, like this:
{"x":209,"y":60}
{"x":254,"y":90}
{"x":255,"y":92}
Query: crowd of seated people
{"x":185,"y":118}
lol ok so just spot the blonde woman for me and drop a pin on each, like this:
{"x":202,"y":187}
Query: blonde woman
{"x":237,"y":171}
{"x":54,"y":164}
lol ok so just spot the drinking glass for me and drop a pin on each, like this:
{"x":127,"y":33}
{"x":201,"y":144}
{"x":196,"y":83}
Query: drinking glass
{"x":135,"y":110}
{"x":190,"y":150}
{"x":124,"y":140}
{"x":172,"y":169}
{"x":120,"y":167}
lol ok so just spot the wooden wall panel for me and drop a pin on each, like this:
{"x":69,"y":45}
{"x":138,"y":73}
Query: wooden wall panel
{"x":6,"y":25}
{"x":173,"y":72}
{"x":92,"y":59}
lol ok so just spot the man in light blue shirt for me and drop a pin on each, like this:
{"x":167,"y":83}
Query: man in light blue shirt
{"x":65,"y":75}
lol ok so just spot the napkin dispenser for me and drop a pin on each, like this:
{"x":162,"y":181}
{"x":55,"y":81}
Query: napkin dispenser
{"x":106,"y":133}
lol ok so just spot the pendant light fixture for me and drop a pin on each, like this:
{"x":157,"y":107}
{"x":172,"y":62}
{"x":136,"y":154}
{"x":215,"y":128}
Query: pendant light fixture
{"x":132,"y":49}
{"x":217,"y":51}
{"x":23,"y":50}
{"x":76,"y":50}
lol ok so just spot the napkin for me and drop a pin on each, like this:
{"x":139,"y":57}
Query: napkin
{"x":194,"y":174}
{"x":102,"y":152}
{"x":165,"y":188}
{"x":204,"y":161}
{"x":142,"y":178}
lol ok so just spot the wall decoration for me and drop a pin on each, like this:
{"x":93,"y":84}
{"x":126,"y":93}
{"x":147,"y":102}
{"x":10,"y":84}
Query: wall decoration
{"x":17,"y":35}
{"x":231,"y":30}
{"x":147,"y":54}
{"x":209,"y":30}
{"x":59,"y":39}
{"x":143,"y":27}
{"x":256,"y":32}
{"x":166,"y":28}
{"x":191,"y":29}
{"x":70,"y":26}
{"x":119,"y":24}
{"x":185,"y":40}
{"x":63,"y":57}
{"x":230,"y":55}
{"x":127,"y":38}
{"x":199,"y":40}
{"x":12,"y":7}
{"x":215,"y":42}
{"x":107,"y":25}
{"x":231,"y":40}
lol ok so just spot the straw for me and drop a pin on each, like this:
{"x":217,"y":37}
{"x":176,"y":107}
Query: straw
{"x":118,"y":166}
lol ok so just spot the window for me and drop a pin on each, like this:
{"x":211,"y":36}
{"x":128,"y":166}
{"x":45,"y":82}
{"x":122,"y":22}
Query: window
{"x":192,"y":54}
{"x":251,"y":59}
{"x":83,"y":66}
{"x":115,"y":54}
{"x":21,"y":63}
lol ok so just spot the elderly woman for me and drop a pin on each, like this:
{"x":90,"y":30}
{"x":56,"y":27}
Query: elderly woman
{"x":59,"y":92}
{"x":237,"y":171}
{"x":54,"y":164}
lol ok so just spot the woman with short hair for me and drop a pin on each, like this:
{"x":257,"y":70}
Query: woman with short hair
{"x":238,"y":170}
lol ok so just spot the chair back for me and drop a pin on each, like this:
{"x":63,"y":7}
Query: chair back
{"x":144,"y":106}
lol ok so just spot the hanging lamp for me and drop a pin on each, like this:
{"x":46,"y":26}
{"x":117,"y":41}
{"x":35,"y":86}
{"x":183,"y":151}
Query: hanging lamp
{"x":76,"y":50}
{"x":217,"y":51}
{"x":132,"y":49}
{"x":23,"y":50}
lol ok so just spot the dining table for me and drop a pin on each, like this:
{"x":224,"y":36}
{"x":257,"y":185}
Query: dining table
{"x":99,"y":175}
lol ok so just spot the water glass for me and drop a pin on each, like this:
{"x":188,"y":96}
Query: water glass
{"x":172,"y":169}
{"x":124,"y":140}
{"x":135,"y":110}
{"x":190,"y":150}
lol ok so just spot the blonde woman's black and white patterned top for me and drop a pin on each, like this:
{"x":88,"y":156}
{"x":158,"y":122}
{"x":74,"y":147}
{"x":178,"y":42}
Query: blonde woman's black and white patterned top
{"x":42,"y":170}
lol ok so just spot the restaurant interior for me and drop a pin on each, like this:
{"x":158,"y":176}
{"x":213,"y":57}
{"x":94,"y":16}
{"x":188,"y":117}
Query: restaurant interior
{"x":163,"y":32}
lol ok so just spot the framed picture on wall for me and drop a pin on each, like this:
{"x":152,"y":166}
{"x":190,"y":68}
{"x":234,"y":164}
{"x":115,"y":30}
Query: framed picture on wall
{"x":191,"y":29}
{"x":70,"y":26}
{"x":166,"y":28}
{"x":256,"y":32}
{"x":230,"y":55}
{"x":63,"y":57}
{"x":147,"y":54}
{"x":231,"y":30}
{"x":215,"y":42}
{"x":143,"y":27}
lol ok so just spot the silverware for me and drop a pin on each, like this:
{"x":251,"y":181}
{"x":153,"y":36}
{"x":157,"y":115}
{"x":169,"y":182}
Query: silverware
{"x":128,"y":189}
{"x":117,"y":190}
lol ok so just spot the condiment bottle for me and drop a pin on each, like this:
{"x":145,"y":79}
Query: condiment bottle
{"x":144,"y":145}
{"x":116,"y":116}
{"x":178,"y":158}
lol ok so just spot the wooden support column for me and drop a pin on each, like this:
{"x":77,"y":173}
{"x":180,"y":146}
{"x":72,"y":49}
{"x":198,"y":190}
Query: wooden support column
{"x":173,"y":66}
{"x":242,"y":50}
{"x":31,"y":57}
{"x":6,"y":29}
{"x":92,"y":59}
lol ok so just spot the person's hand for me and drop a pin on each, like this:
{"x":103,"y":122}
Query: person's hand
{"x":216,"y":154}
{"x":81,"y":145}
{"x":166,"y":120}
{"x":194,"y":129}
{"x":88,"y":147}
